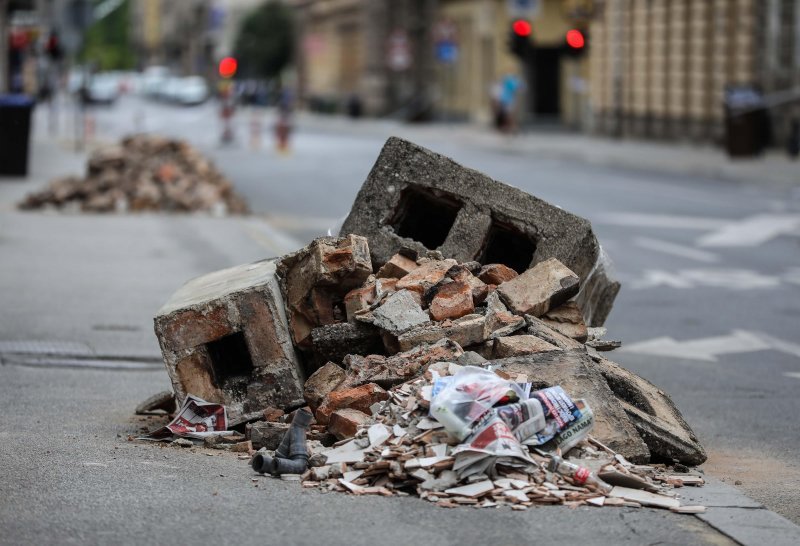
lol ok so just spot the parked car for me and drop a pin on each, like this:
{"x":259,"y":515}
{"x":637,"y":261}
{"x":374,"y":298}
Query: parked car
{"x":190,"y":91}
{"x":101,"y":89}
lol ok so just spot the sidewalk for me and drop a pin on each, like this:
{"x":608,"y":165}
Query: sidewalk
{"x":83,"y":289}
{"x":774,"y":169}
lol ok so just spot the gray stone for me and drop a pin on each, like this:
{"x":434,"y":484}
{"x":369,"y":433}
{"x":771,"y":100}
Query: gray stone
{"x":470,"y":358}
{"x":653,"y":414}
{"x":520,"y":345}
{"x":399,"y":313}
{"x":543,"y":287}
{"x":467,"y":330}
{"x":541,"y":330}
{"x":224,"y":331}
{"x":580,"y":378}
{"x":416,"y":199}
{"x":266,"y":435}
{"x":335,"y":341}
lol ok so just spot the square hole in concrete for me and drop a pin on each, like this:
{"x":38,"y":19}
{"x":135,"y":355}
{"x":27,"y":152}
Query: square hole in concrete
{"x":424,"y":217}
{"x":230,"y":359}
{"x":508,"y":246}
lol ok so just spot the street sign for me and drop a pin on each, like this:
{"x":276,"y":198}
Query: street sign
{"x":445,"y":41}
{"x":398,"y":51}
{"x":524,"y":8}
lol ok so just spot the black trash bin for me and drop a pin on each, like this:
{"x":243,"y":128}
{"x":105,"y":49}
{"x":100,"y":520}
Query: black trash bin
{"x":15,"y":130}
{"x":746,"y":121}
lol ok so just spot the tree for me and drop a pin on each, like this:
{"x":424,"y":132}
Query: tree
{"x":265,"y":43}
{"x":107,"y":42}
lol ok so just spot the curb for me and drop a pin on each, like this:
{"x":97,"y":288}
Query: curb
{"x":739,"y":517}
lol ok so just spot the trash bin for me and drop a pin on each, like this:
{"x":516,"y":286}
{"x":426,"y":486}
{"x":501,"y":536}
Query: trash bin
{"x":746,"y":122}
{"x":15,"y":128}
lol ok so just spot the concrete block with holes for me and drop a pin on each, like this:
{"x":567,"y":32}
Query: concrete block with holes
{"x":225,"y":338}
{"x":421,"y":200}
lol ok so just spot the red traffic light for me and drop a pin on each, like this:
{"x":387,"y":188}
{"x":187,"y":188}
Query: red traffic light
{"x":521,"y":28}
{"x":227,"y":67}
{"x":575,"y":39}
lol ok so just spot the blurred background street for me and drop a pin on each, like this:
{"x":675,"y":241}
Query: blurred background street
{"x":671,"y":126}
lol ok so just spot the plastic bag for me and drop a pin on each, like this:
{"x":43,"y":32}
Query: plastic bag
{"x":469,"y":395}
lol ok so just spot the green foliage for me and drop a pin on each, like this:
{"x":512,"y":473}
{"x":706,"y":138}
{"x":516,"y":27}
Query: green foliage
{"x":107,"y":42}
{"x":265,"y":43}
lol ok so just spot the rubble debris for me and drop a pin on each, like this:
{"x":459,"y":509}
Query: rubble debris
{"x":419,"y":200}
{"x":144,"y":173}
{"x":163,"y":401}
{"x":344,"y":423}
{"x":399,"y":313}
{"x":359,"y":398}
{"x":225,"y":338}
{"x":543,"y":287}
{"x":321,"y":383}
{"x":315,"y":279}
{"x":383,"y":345}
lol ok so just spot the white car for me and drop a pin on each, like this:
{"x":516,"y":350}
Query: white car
{"x":190,"y":91}
{"x":102,"y":89}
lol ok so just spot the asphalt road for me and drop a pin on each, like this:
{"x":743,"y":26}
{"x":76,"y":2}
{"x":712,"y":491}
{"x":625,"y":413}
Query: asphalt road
{"x":708,"y":263}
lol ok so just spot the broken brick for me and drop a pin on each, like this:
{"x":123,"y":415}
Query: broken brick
{"x":321,"y":383}
{"x":332,"y":342}
{"x":315,"y":279}
{"x":466,"y":330}
{"x":265,"y":434}
{"x":425,"y":276}
{"x":397,"y":267}
{"x":360,"y":398}
{"x":543,"y":287}
{"x":452,"y":300}
{"x":359,"y":299}
{"x":399,"y":312}
{"x":344,"y":423}
{"x":496,"y":274}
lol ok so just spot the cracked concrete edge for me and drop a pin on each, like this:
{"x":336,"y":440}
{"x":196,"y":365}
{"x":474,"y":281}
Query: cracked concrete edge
{"x":739,"y":517}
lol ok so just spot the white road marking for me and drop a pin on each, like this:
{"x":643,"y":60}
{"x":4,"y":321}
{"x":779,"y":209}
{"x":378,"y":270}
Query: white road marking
{"x":676,"y":250}
{"x":792,"y":276}
{"x":793,"y":375}
{"x":665,"y":221}
{"x":708,"y":349}
{"x":274,"y":240}
{"x":731,"y":279}
{"x":752,"y":231}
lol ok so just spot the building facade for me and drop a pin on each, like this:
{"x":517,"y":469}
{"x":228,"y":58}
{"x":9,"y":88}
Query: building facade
{"x":660,"y":68}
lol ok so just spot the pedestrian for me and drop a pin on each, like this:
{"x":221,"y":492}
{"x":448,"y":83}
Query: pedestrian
{"x":510,"y":86}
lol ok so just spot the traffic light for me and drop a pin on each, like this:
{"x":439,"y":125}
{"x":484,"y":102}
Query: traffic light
{"x":227,"y":67}
{"x":576,"y":41}
{"x":519,"y":42}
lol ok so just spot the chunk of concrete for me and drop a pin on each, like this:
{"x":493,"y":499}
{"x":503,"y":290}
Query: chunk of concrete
{"x":467,"y":330}
{"x":505,"y":347}
{"x":333,"y":342}
{"x":654,"y":415}
{"x":225,"y":338}
{"x":266,"y":435}
{"x":568,"y":320}
{"x":538,"y":328}
{"x":543,"y":287}
{"x":398,"y":313}
{"x":578,"y":374}
{"x":315,"y":279}
{"x":416,"y":199}
{"x":321,"y":383}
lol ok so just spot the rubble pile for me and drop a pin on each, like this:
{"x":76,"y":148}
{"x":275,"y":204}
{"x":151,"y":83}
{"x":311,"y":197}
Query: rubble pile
{"x":144,"y":173}
{"x":463,"y":374}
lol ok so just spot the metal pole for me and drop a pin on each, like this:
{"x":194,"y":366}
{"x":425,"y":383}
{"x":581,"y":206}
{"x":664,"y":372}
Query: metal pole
{"x":3,"y":46}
